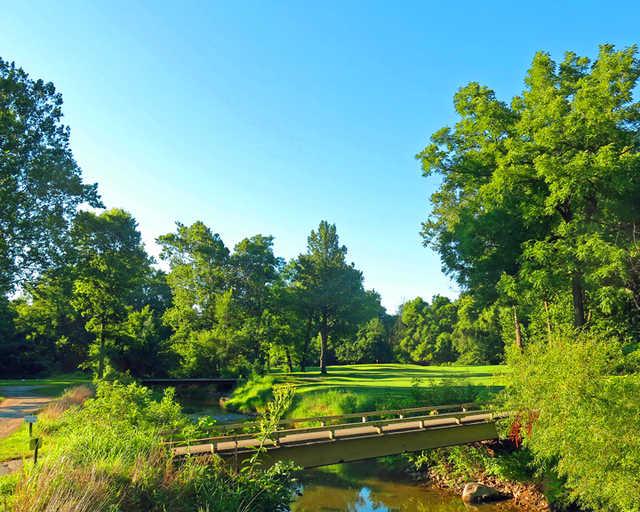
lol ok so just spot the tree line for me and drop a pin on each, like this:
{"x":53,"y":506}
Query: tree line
{"x":79,"y":290}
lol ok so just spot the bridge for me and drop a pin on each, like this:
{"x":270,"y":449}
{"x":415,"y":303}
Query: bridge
{"x":349,"y":437}
{"x":219,"y":383}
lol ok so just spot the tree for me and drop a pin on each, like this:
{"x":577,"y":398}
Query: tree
{"x":425,"y":330}
{"x":370,"y":345}
{"x":143,"y":348}
{"x":198,"y":274}
{"x":112,"y":268}
{"x":330,"y":288}
{"x":539,"y":198}
{"x":40,"y":182}
{"x":254,"y":270}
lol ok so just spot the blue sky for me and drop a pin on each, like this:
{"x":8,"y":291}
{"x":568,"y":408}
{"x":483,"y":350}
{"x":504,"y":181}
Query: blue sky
{"x":267,"y":117}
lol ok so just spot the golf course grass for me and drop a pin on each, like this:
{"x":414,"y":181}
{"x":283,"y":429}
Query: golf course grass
{"x":364,"y":386}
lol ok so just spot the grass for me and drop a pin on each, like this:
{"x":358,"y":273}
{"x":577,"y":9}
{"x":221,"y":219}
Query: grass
{"x":375,"y":385}
{"x":16,"y":444}
{"x":106,"y":454}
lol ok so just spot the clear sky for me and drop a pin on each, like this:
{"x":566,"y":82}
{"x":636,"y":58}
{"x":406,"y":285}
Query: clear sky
{"x":267,"y":117}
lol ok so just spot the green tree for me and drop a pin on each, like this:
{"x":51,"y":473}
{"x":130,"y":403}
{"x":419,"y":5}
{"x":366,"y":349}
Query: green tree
{"x":330,"y":288}
{"x":40,"y":183}
{"x":579,"y":415}
{"x":539,"y":197}
{"x":254,"y":271}
{"x":424,"y":333}
{"x":112,"y":268}
{"x":371,"y":344}
{"x":219,"y":299}
{"x":143,"y":348}
{"x":198,"y":262}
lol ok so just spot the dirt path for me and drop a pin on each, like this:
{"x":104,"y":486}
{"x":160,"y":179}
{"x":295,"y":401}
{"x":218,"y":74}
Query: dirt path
{"x":19,"y":401}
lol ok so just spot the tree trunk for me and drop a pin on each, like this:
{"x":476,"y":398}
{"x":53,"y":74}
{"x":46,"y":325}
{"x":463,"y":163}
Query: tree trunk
{"x":324,"y":335}
{"x":305,"y":348}
{"x":546,"y":309}
{"x":101,"y":351}
{"x":578,"y":300}
{"x":517,"y":330}
{"x":289,"y":361}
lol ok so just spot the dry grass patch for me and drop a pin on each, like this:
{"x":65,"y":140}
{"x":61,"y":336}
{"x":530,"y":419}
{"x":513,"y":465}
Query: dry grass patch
{"x":72,"y":397}
{"x":63,"y":487}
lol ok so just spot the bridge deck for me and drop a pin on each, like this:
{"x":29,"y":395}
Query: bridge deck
{"x":322,"y":445}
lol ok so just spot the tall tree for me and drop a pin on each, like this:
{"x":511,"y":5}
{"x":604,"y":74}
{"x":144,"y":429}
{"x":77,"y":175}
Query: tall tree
{"x":112,"y":270}
{"x":539,"y":198}
{"x":254,"y":271}
{"x":424,"y":330}
{"x":40,"y":183}
{"x":331,"y":288}
{"x":202,"y":315}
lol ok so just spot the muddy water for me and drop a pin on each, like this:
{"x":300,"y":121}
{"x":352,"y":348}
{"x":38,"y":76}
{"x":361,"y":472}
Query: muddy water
{"x":372,"y":487}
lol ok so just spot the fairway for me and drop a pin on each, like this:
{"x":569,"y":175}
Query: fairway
{"x":374,"y":386}
{"x":394,"y":377}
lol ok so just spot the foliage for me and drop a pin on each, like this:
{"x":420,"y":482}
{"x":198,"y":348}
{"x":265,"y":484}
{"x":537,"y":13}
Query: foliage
{"x":40,"y":182}
{"x":252,"y":395}
{"x":107,"y":455}
{"x":330,"y":289}
{"x":538,"y":202}
{"x":458,"y":465}
{"x":424,"y":331}
{"x":371,"y":344}
{"x":579,"y":415}
{"x":112,"y":265}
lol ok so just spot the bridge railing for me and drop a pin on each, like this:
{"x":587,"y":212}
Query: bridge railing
{"x":411,"y":416}
{"x":351,"y":417}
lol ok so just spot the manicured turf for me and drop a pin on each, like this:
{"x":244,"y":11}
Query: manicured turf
{"x":394,"y":378}
{"x":380,"y":385}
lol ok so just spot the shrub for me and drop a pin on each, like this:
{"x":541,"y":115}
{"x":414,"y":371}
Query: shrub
{"x":251,"y":396}
{"x":579,"y":415}
{"x":108,"y":455}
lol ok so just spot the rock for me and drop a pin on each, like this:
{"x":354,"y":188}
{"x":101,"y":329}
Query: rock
{"x":479,"y":493}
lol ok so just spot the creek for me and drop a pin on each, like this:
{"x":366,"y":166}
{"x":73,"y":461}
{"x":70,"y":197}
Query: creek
{"x":371,"y":486}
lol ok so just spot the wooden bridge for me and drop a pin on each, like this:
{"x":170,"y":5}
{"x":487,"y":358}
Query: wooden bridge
{"x":349,"y":437}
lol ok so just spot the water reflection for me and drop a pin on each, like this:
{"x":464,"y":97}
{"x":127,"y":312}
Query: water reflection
{"x":373,"y":487}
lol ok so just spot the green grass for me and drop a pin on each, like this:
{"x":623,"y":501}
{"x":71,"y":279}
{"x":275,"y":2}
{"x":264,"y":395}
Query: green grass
{"x":377,"y":385}
{"x":15,"y":445}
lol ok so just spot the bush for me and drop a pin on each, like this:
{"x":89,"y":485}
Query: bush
{"x":108,"y":455}
{"x":251,"y":396}
{"x":579,"y":415}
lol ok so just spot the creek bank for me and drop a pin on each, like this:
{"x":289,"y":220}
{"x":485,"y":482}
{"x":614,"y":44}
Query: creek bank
{"x":454,"y":473}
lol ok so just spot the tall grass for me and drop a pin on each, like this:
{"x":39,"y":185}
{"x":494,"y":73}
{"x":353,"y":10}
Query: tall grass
{"x":108,"y":454}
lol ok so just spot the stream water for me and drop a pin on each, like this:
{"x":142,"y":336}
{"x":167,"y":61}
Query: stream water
{"x":371,"y":487}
